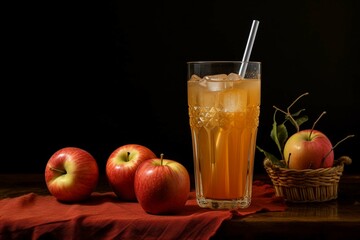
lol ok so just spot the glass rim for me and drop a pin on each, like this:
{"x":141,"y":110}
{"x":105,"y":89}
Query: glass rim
{"x":222,"y":61}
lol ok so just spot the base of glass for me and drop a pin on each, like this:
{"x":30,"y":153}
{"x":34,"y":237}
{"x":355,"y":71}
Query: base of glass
{"x":223,"y":204}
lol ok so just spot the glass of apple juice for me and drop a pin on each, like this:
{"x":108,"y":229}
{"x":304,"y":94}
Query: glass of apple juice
{"x":224,"y":110}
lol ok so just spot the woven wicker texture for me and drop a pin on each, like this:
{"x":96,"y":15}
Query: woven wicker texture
{"x":308,"y":185}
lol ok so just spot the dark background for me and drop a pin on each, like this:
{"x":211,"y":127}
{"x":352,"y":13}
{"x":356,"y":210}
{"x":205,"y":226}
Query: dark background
{"x":98,"y":75}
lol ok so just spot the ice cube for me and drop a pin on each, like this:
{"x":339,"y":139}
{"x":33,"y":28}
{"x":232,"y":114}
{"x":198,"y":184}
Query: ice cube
{"x":217,"y":77}
{"x":230,"y":78}
{"x":234,"y":100}
{"x":215,"y":86}
{"x":234,"y":77}
{"x":214,"y":82}
{"x":203,"y":83}
{"x":195,"y":78}
{"x":208,"y":99}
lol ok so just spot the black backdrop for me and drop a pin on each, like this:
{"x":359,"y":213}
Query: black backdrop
{"x":98,"y":75}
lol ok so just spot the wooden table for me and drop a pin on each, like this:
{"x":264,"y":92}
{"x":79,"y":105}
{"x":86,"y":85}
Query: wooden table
{"x":336,"y":219}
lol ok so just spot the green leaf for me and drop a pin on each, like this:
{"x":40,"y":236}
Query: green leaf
{"x":279,"y":135}
{"x":302,"y":120}
{"x":270,"y":156}
{"x":273,"y":133}
{"x":298,"y":113}
{"x":282,"y":135}
{"x":293,"y":122}
{"x":297,"y":122}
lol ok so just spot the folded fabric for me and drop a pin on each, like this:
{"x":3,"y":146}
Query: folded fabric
{"x":104,"y":216}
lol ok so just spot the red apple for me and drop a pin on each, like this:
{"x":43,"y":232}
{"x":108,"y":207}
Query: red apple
{"x":71,"y":174}
{"x":121,"y":167}
{"x":162,"y":186}
{"x":308,"y":149}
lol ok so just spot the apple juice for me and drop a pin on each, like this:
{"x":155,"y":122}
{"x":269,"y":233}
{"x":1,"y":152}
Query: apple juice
{"x":224,"y":118}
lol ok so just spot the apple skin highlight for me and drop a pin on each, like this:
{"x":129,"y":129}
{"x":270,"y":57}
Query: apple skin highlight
{"x":305,"y":151}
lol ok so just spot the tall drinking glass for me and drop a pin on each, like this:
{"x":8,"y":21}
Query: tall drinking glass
{"x":224,"y":113}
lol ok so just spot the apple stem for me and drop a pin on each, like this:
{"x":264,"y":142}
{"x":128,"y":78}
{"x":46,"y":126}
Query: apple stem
{"x":288,"y":162}
{"x":57,"y":170}
{"x":288,"y":109}
{"x":332,"y":149}
{"x":313,"y":126}
{"x":290,"y":117}
{"x":128,"y":157}
{"x":161,"y":159}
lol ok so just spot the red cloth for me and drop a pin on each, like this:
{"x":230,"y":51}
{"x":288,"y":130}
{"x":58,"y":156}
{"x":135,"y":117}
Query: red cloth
{"x":103,"y":216}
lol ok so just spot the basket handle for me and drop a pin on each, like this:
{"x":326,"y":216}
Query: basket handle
{"x":343,"y":160}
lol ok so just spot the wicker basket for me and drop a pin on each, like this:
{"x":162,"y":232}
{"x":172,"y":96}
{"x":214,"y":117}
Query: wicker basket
{"x":308,"y":185}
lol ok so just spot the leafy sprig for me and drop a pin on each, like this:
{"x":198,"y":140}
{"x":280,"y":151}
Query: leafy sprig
{"x":279,"y":132}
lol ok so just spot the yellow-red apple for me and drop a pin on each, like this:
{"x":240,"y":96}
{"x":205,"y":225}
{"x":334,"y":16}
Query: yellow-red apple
{"x":308,"y":149}
{"x":121,"y":167}
{"x":71,"y":174}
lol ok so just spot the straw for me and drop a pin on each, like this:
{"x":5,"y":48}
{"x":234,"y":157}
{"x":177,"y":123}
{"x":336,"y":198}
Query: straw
{"x":248,"y":48}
